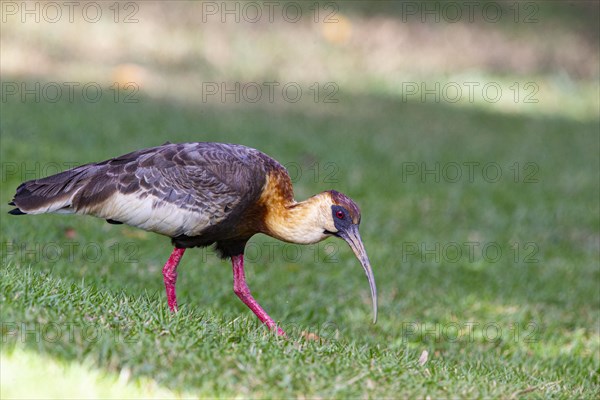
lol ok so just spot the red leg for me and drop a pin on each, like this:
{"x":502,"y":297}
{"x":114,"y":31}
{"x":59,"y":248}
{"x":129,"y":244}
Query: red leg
{"x":170,"y":276}
{"x":243,"y":292}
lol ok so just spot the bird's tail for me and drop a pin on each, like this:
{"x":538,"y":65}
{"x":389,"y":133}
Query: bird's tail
{"x":53,"y":194}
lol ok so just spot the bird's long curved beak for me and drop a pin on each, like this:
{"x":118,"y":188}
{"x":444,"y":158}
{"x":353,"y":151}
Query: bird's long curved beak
{"x":352,"y":237}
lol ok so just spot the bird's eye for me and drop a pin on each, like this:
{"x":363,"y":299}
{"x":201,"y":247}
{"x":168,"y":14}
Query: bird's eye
{"x":339,"y":214}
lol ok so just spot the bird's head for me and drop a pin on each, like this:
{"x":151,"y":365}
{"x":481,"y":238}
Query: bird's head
{"x":326,"y":214}
{"x":343,"y":221}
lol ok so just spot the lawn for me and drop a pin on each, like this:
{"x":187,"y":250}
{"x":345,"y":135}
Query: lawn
{"x":481,"y":223}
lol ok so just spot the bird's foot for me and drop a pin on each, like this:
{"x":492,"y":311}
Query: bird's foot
{"x":274,"y":328}
{"x":172,"y":299}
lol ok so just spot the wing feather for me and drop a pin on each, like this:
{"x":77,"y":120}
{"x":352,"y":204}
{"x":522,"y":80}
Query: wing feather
{"x":175,"y":189}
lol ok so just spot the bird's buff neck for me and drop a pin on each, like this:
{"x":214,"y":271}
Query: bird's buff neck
{"x":302,"y":223}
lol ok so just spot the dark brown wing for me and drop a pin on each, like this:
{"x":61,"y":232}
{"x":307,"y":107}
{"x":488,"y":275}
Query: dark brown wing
{"x":174,"y":189}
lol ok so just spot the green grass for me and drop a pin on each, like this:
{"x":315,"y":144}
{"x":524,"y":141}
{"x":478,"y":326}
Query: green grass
{"x":83,"y":312}
{"x":85,"y":299}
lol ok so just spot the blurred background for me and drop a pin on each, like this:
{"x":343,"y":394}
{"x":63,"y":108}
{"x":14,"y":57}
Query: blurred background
{"x":447,"y":122}
{"x":169,"y":50}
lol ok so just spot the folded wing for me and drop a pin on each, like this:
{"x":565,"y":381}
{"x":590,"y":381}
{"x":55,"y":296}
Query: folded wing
{"x":174,"y":189}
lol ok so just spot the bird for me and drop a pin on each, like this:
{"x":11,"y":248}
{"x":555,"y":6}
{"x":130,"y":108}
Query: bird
{"x":200,"y":194}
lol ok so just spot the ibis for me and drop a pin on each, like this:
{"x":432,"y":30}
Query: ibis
{"x":200,"y":194}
